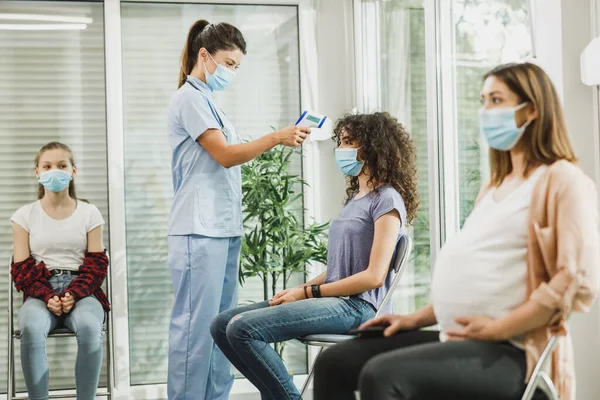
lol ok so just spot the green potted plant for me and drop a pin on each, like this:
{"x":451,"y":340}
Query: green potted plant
{"x":276,"y":244}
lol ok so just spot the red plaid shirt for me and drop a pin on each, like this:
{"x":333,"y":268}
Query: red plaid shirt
{"x":32,"y":279}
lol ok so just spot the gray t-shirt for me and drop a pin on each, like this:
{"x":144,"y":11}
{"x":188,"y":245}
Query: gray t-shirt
{"x":351,"y":238}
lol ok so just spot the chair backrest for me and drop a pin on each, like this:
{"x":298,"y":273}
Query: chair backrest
{"x":397,"y":266}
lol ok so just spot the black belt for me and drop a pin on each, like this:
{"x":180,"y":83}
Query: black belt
{"x":63,"y":272}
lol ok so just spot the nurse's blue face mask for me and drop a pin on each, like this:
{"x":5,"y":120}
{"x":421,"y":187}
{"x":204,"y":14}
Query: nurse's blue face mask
{"x":499,"y":127}
{"x":347,"y":162}
{"x":55,"y":180}
{"x":221,"y":79}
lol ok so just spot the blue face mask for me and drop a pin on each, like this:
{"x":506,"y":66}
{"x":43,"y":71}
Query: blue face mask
{"x":346,"y":160}
{"x":221,"y":79}
{"x":55,"y":180}
{"x":499,"y":127}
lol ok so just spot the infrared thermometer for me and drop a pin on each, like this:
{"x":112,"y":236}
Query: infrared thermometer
{"x":309,"y":119}
{"x":320,"y":126}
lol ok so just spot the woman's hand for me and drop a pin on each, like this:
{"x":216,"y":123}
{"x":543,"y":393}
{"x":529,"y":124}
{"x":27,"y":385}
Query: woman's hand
{"x":68,"y":302}
{"x":477,"y":328}
{"x":395,"y":323}
{"x":288,"y":296}
{"x":293,"y":135}
{"x":55,"y":306}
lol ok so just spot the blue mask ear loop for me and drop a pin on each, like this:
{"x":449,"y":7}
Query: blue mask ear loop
{"x":359,"y":161}
{"x":523,"y":126}
{"x":519,"y":108}
{"x":206,"y":68}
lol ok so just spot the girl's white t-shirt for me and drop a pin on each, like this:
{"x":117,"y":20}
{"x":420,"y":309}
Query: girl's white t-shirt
{"x":60,"y":244}
{"x":483,"y":269}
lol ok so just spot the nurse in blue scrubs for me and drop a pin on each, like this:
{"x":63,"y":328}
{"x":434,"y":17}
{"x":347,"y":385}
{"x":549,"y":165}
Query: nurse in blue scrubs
{"x":205,"y":225}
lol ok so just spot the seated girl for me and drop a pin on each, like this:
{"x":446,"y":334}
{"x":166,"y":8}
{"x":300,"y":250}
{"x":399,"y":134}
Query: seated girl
{"x":59,"y":264}
{"x":378,"y":156}
{"x":525,"y":258}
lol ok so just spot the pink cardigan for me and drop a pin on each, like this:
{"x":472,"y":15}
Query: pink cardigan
{"x":563,"y":256}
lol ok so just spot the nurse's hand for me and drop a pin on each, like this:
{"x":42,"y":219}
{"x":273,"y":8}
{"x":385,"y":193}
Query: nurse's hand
{"x":293,"y":135}
{"x":288,"y":296}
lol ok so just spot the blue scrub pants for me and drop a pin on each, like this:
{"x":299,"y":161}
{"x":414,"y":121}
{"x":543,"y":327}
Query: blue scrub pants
{"x":204,"y":272}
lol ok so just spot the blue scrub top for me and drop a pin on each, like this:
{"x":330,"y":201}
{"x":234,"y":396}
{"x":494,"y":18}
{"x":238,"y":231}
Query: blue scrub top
{"x":208,"y":197}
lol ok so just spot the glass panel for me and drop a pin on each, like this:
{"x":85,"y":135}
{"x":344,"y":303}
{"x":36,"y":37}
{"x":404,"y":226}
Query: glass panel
{"x":487,"y":33}
{"x":404,"y":95}
{"x":51,"y":88}
{"x":153,"y":37}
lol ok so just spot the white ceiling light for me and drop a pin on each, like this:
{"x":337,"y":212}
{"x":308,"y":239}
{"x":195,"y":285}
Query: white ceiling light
{"x":46,"y":18}
{"x":42,"y":27}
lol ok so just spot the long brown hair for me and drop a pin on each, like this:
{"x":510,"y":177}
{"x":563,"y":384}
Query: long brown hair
{"x":546,"y":139}
{"x":389,"y":155}
{"x":55,"y":146}
{"x":213,"y":37}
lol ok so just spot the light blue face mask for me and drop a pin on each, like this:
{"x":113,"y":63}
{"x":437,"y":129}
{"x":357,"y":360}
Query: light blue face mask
{"x":55,"y":180}
{"x":221,"y":79}
{"x":499,"y":127}
{"x":346,"y":160}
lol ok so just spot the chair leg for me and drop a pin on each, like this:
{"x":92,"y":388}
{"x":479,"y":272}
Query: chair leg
{"x":542,"y":382}
{"x":546,"y":386}
{"x":310,"y":374}
{"x":109,"y":358}
{"x":10,"y":392}
{"x":530,"y":389}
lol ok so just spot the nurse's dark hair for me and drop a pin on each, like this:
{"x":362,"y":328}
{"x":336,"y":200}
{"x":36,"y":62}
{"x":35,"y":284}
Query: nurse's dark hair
{"x":56,"y":146}
{"x":389,"y":154}
{"x":213,"y":37}
{"x":546,"y":139}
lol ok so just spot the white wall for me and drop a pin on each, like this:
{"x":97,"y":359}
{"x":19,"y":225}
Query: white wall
{"x":563,"y":29}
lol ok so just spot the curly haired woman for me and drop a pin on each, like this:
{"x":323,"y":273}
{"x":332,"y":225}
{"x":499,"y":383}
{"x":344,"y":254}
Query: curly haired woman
{"x":378,"y":157}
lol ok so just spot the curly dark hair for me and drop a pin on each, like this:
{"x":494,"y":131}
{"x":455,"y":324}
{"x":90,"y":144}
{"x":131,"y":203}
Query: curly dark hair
{"x":389,"y":155}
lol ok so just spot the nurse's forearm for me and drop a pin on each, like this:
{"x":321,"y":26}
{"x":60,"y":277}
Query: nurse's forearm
{"x":237,"y":154}
{"x":229,"y":156}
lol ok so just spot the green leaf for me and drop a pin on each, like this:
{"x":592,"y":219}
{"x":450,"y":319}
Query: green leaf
{"x":276,"y":242}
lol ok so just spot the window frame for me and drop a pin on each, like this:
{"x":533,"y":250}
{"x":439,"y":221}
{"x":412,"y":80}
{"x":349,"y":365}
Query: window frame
{"x":441,"y":130}
{"x":448,"y":125}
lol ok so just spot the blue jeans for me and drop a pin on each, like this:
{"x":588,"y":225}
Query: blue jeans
{"x":204,"y":273}
{"x":244,"y":334}
{"x":36,"y":321}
